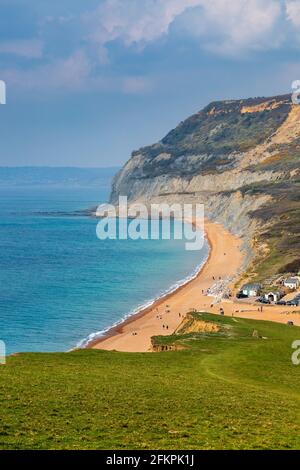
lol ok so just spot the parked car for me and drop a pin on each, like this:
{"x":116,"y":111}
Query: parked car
{"x":263,"y":300}
{"x":293,"y":303}
{"x":241,"y":295}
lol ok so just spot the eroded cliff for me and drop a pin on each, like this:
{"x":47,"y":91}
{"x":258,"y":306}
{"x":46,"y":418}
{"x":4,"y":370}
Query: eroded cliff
{"x":241,"y":159}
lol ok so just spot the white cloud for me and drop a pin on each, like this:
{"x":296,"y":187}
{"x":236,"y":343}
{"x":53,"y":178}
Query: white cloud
{"x":227,"y":27}
{"x":75,"y":73}
{"x":234,"y":27}
{"x":293,"y":11}
{"x":28,"y":48}
{"x":224,"y":27}
{"x":70,"y":73}
{"x":134,"y":21}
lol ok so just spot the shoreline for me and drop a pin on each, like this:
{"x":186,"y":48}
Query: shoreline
{"x":165,"y":314}
{"x":144,"y":309}
{"x":109,"y":340}
{"x":157,"y":302}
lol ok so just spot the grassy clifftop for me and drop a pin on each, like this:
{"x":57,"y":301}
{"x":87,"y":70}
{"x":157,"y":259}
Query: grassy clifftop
{"x":233,"y":387}
{"x":214,"y":133}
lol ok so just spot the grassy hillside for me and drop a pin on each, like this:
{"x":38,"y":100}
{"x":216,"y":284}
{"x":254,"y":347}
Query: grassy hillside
{"x":212,"y":136}
{"x":280,"y":232}
{"x":221,"y":128}
{"x":225,"y":389}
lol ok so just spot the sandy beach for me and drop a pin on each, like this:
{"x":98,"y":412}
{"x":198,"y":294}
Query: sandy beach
{"x":166,"y":314}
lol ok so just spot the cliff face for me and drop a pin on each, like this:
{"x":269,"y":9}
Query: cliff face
{"x":239,"y":158}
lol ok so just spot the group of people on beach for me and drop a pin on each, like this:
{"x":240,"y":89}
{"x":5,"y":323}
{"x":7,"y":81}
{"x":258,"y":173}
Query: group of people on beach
{"x":160,"y":317}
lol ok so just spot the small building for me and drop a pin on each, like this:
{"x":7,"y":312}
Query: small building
{"x":274,"y":296}
{"x":291,"y":283}
{"x":251,"y":290}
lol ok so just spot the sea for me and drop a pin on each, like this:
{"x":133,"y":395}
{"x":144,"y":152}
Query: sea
{"x":60,"y":286}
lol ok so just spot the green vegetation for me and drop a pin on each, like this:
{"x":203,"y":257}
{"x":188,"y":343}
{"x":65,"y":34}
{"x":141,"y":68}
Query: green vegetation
{"x":222,"y":128}
{"x":212,"y":135}
{"x":226,"y":389}
{"x":285,"y":158}
{"x":280,"y":220}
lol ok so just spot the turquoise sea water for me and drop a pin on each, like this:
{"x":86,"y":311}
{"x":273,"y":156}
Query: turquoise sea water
{"x":59,"y":283}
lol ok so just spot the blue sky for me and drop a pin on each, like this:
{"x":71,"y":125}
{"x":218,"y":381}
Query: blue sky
{"x":90,"y":81}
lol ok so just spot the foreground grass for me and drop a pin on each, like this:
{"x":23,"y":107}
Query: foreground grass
{"x":226,"y":390}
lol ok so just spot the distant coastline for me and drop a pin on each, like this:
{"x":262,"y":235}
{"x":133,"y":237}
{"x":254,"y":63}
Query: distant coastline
{"x":61,"y":177}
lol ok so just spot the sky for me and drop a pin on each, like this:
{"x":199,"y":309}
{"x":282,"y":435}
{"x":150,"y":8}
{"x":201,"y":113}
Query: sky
{"x":90,"y":81}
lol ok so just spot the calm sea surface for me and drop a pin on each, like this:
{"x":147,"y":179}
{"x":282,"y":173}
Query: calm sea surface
{"x":59,"y":283}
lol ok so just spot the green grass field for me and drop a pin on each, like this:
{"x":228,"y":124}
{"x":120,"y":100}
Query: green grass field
{"x":226,"y":390}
